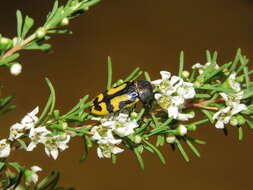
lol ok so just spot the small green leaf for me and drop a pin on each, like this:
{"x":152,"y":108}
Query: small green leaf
{"x":22,"y":143}
{"x":35,"y":46}
{"x":250,"y":124}
{"x":19,"y":23}
{"x":49,"y":182}
{"x":181,"y":64}
{"x":109,"y":72}
{"x":208,"y":114}
{"x":204,"y":96}
{"x":130,"y":77}
{"x":10,"y":59}
{"x":52,"y":91}
{"x":139,"y":158}
{"x":27,"y":26}
{"x":147,"y":77}
{"x":16,"y":166}
{"x":181,"y":149}
{"x":114,"y":159}
{"x":140,"y":114}
{"x":236,"y":60}
{"x":240,"y":133}
{"x":137,"y":76}
{"x":2,"y":164}
{"x":158,"y":153}
{"x":216,"y":88}
{"x":192,"y":147}
{"x":208,"y":56}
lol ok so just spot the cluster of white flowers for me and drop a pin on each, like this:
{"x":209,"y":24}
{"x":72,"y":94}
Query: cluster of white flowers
{"x":201,"y":68}
{"x":174,"y":92}
{"x":53,"y":144}
{"x":232,"y":101}
{"x":119,"y":124}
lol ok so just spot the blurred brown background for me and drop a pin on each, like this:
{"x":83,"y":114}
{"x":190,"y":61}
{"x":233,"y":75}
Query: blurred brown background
{"x":145,"y":33}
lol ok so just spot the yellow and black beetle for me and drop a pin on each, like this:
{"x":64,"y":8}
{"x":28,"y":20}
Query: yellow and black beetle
{"x":122,"y":96}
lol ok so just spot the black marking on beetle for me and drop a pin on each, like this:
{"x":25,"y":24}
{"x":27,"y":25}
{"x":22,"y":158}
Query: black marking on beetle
{"x":124,"y":103}
{"x":96,"y":105}
{"x":109,"y":106}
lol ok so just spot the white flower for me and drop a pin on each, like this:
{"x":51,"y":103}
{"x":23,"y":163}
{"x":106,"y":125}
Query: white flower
{"x":171,"y":139}
{"x":30,"y":119}
{"x":54,"y":144}
{"x":16,"y":131}
{"x":182,"y":130}
{"x":16,"y":69}
{"x":201,"y":68}
{"x":174,"y":91}
{"x":232,"y":83}
{"x":5,"y":148}
{"x":36,"y":135}
{"x":31,"y":176}
{"x":106,"y":150}
{"x":167,"y":85}
{"x":187,"y":90}
{"x":103,"y":135}
{"x":234,"y":107}
{"x":124,"y":125}
{"x":120,"y":124}
{"x":173,"y":105}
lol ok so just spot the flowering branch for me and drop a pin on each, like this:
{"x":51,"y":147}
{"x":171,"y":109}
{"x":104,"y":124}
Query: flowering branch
{"x":59,"y":17}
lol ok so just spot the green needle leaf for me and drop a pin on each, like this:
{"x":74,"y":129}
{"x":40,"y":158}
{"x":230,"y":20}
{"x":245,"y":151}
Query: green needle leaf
{"x":236,"y":60}
{"x":19,"y":23}
{"x":131,"y":76}
{"x":27,"y":26}
{"x":240,"y":133}
{"x":139,"y":158}
{"x":250,"y":124}
{"x":181,"y":149}
{"x":192,"y":147}
{"x":109,"y":72}
{"x":52,"y":94}
{"x":181,"y":63}
{"x":114,"y":159}
{"x":147,"y":77}
{"x":158,"y":153}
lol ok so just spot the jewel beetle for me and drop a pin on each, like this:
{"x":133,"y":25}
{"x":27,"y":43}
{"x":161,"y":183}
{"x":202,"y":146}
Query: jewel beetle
{"x":122,"y":96}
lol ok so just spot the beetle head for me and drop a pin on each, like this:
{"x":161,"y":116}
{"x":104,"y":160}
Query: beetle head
{"x":145,"y":91}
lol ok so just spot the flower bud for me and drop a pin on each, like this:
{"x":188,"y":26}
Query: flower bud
{"x":41,"y":32}
{"x":65,"y":21}
{"x":191,"y":127}
{"x":185,"y":74}
{"x":64,"y":125}
{"x":16,"y":69}
{"x":197,"y":84}
{"x":137,"y":139}
{"x":133,"y":115}
{"x":233,"y":121}
{"x":5,"y":43}
{"x":171,"y":139}
{"x":182,"y":130}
